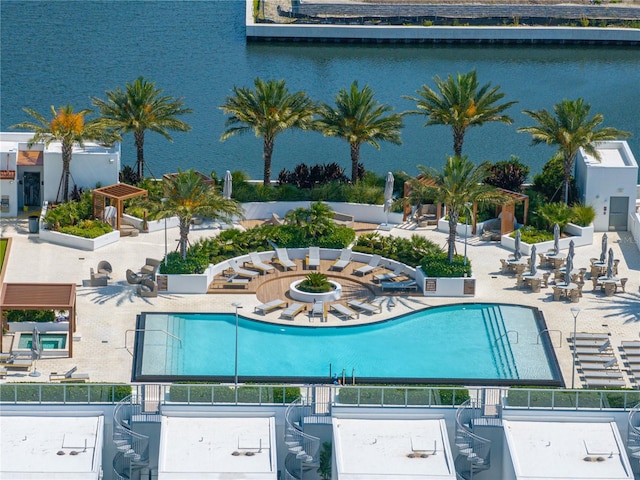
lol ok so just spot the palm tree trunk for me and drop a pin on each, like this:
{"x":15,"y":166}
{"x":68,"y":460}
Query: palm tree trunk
{"x":139,"y":139}
{"x":568,"y":167}
{"x":266,"y":155}
{"x":458,"y":140}
{"x":185,"y":224}
{"x":355,"y":159}
{"x":67,"y":148}
{"x":453,"y":224}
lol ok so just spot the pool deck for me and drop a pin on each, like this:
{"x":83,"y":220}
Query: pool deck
{"x":106,"y":315}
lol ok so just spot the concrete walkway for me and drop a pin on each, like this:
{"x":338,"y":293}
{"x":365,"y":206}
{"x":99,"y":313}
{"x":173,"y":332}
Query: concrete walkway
{"x":107,"y":315}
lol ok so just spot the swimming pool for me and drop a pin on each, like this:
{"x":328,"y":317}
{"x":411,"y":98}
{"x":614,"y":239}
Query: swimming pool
{"x":463,"y":343}
{"x":48,"y":341}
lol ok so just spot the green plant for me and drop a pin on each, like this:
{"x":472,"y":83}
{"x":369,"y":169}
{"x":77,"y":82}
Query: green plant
{"x":87,"y":229}
{"x":30,"y":315}
{"x":531,"y":235}
{"x":584,"y":21}
{"x":508,"y":174}
{"x":552,"y":213}
{"x":438,"y":266}
{"x":324,"y":469}
{"x":582,"y":215}
{"x":315,"y":282}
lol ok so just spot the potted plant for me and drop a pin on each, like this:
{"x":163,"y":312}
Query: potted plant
{"x":315,"y":282}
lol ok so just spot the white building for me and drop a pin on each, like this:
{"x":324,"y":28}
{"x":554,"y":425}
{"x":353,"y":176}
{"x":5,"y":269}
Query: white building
{"x":31,"y":175}
{"x":608,"y":184}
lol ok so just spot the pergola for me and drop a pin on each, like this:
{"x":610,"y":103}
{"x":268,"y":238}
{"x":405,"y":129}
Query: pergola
{"x":117,"y":194}
{"x":41,"y":296}
{"x":507,"y":219}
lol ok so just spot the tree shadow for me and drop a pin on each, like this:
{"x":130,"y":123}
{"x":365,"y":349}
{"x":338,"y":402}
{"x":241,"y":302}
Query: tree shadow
{"x":629,"y":250}
{"x":120,"y":292}
{"x":626,"y":305}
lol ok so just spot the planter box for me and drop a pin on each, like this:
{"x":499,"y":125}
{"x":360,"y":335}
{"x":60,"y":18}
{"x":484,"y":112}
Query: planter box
{"x":42,"y":326}
{"x":446,"y":287}
{"x":188,"y":283}
{"x":580,"y":235}
{"x":79,"y":242}
{"x":152,"y":225}
{"x":462,"y":230}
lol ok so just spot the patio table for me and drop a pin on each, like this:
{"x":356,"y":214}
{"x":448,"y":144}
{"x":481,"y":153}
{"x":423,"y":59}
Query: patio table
{"x":566,"y":290}
{"x":531,"y":281}
{"x":609,"y":285}
{"x":555,"y":260}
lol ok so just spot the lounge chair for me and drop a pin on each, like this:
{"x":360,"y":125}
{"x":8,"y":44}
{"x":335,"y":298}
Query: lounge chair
{"x":600,"y":383}
{"x":342,"y":261}
{"x":381,"y":277}
{"x":364,"y":306}
{"x":408,"y":285}
{"x":133,"y":278}
{"x":274,"y":220}
{"x":595,"y":350}
{"x":373,"y":265}
{"x":585,"y":359}
{"x":147,"y":288}
{"x":346,"y":312}
{"x":97,"y":279}
{"x":272,"y":305}
{"x":104,"y":268}
{"x":612,"y":374}
{"x":608,"y":365}
{"x":593,"y":343}
{"x":282,"y":259}
{"x":292,"y":310}
{"x":150,"y":267}
{"x":3,"y":372}
{"x":318,"y":310}
{"x":55,"y":376}
{"x":257,"y":264}
{"x":591,"y":336}
{"x":313,"y":257}
{"x":238,"y":270}
{"x":14,"y":363}
{"x":631,"y":344}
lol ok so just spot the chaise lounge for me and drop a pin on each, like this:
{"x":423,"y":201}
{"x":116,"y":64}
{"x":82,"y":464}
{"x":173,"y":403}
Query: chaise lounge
{"x":364,"y":306}
{"x":257,"y":264}
{"x":272,"y":305}
{"x":366,"y":269}
{"x":292,"y":310}
{"x":69,"y":376}
{"x":313,"y":257}
{"x":238,"y":270}
{"x":344,"y":311}
{"x":343,"y":260}
{"x":282,"y":259}
{"x":408,"y":285}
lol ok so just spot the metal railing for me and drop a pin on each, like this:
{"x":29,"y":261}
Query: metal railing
{"x":133,"y":445}
{"x":294,"y":416}
{"x":478,"y":448}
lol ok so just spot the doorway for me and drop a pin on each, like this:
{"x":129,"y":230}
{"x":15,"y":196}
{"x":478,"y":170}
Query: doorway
{"x":618,"y":212}
{"x":31,"y":189}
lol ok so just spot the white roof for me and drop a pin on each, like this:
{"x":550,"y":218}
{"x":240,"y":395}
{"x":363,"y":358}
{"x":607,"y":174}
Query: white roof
{"x":612,"y":154}
{"x":60,"y":447}
{"x":203,"y":447}
{"x":370,"y":448}
{"x":565,"y":450}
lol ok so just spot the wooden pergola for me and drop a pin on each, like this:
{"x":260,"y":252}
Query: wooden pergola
{"x":507,"y":219}
{"x":117,"y":194}
{"x":41,"y":296}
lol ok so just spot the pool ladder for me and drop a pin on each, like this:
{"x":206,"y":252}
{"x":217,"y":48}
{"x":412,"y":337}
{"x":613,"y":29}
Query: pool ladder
{"x":136,"y":330}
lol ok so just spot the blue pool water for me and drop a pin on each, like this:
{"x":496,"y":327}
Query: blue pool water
{"x":48,"y":341}
{"x":457,"y":342}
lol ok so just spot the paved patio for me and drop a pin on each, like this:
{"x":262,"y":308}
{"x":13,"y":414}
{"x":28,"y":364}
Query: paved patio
{"x":106,"y":315}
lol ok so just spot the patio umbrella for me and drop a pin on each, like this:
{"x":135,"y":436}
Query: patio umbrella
{"x":603,"y":253}
{"x":388,"y":194}
{"x":572,"y":247}
{"x":610,"y":264}
{"x":567,"y":269}
{"x":516,"y":254}
{"x":556,"y":239}
{"x":228,"y":185}
{"x":35,"y":350}
{"x":532,"y":262}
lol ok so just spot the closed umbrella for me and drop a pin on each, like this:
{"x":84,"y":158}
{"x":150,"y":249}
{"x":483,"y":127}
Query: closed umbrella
{"x":610,"y":264}
{"x":516,"y":254}
{"x":556,"y":239}
{"x":567,"y":270}
{"x":228,"y":185}
{"x":572,"y":248}
{"x":603,"y":253}
{"x":35,"y":350}
{"x":532,"y":261}
{"x":388,"y":194}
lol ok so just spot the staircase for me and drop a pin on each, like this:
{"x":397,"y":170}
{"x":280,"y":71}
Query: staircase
{"x":633,"y":438}
{"x":131,"y":461}
{"x":303,"y":448}
{"x":474,"y":451}
{"x":497,"y":334}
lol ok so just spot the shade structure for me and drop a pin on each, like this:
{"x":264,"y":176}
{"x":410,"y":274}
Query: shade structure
{"x":516,"y":254}
{"x":532,"y":261}
{"x":603,"y":252}
{"x":556,"y":239}
{"x":567,"y":269}
{"x":610,"y":264}
{"x":228,"y":185}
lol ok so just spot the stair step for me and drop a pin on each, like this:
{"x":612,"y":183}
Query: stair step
{"x":295,"y":449}
{"x":301,"y":454}
{"x":467,"y":451}
{"x":292,"y":443}
{"x":463,"y":445}
{"x":123,"y":448}
{"x":120,"y":442}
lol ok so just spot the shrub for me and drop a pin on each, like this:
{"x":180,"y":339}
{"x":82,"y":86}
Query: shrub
{"x":315,"y":282}
{"x":439,"y":266}
{"x":30,"y":315}
{"x":583,"y":215}
{"x":531,"y":235}
{"x":508,"y":174}
{"x":87,"y":229}
{"x":552,"y":213}
{"x":549,"y":181}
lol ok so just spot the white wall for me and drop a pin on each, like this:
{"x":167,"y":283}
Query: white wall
{"x":9,"y":188}
{"x":360,"y":211}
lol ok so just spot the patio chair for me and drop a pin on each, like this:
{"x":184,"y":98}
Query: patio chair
{"x":366,"y":269}
{"x":342,"y":261}
{"x":272,"y":305}
{"x":292,"y":310}
{"x":3,"y":372}
{"x":364,"y":306}
{"x":14,"y":363}
{"x":595,"y":350}
{"x":600,"y":383}
{"x":282,"y":259}
{"x":398,"y":271}
{"x":313,"y":257}
{"x":133,"y":278}
{"x":257,"y":264}
{"x":611,"y":364}
{"x":97,"y":279}
{"x":148,"y":288}
{"x":53,"y":376}
{"x":346,"y":312}
{"x":104,"y":268}
{"x":150,"y":267}
{"x":318,"y":310}
{"x":591,"y":336}
{"x":274,"y":220}
{"x":238,"y":270}
{"x":623,"y":283}
{"x":408,"y":285}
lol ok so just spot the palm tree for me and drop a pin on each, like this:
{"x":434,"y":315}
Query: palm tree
{"x":570,"y":129}
{"x":138,"y":108}
{"x":71,"y":129}
{"x":266,"y":111}
{"x":359,"y":119}
{"x":457,"y":185}
{"x":316,"y":220}
{"x":461,"y":103}
{"x":186,"y":196}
